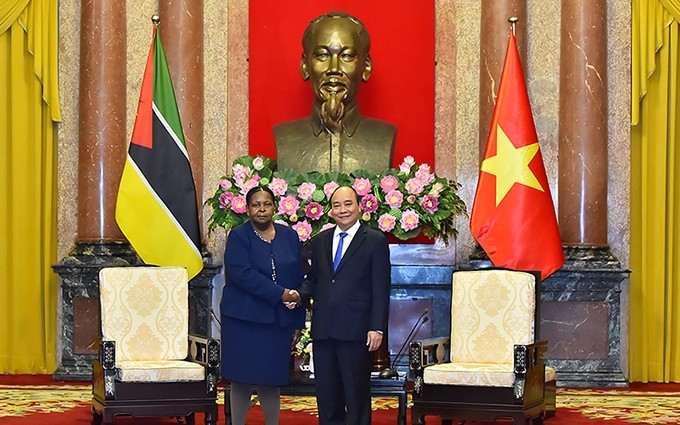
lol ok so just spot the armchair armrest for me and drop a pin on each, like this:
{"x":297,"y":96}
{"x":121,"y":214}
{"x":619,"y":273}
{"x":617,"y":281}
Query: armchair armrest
{"x":425,"y":352}
{"x":528,"y":367}
{"x":528,"y":356}
{"x":104,"y":367}
{"x":206,"y":351}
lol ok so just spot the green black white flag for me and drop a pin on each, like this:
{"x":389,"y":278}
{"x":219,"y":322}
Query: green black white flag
{"x":156,"y":207}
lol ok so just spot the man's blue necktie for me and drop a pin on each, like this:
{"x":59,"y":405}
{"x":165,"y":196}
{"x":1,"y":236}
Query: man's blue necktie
{"x":338,"y":252}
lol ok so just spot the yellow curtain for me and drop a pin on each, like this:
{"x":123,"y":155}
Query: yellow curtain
{"x":655,"y":193}
{"x":29,"y":110}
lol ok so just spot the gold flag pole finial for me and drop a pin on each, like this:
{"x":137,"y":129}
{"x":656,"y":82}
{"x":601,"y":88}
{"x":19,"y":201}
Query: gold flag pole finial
{"x":513,"y":21}
{"x":155,"y":19}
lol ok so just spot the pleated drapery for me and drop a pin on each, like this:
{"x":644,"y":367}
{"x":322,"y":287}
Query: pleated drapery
{"x":29,"y":110}
{"x":654,"y":317}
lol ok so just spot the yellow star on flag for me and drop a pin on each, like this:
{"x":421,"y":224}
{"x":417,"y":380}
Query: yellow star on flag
{"x":510,"y":165}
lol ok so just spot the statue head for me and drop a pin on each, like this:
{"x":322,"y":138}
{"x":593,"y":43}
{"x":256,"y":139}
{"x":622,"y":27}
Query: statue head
{"x":335,"y":59}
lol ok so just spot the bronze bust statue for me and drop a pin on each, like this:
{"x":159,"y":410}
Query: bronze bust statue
{"x":336,"y":136}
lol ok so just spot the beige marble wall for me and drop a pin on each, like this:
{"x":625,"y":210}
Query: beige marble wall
{"x":67,"y":133}
{"x":457,"y":100}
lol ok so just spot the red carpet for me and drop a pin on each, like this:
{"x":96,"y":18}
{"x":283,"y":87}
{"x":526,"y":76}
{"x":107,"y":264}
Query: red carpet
{"x":38,"y":400}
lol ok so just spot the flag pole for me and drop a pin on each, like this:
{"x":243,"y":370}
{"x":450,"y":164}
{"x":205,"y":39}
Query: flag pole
{"x":513,"y":21}
{"x":155,"y":19}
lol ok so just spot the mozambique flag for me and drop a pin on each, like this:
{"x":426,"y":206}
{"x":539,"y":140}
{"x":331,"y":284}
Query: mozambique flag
{"x":156,"y":207}
{"x":513,"y":216}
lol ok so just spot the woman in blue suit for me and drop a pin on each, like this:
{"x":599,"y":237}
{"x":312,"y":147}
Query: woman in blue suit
{"x":263,"y":265}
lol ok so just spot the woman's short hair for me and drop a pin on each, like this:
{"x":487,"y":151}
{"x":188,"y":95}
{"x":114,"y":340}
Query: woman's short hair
{"x":256,"y":189}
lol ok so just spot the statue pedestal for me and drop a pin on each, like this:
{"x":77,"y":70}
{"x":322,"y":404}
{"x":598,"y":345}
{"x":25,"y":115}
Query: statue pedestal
{"x":79,"y":324}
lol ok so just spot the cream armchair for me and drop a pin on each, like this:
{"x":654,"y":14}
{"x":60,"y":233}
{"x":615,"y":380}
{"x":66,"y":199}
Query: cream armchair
{"x":148,"y":364}
{"x":495,"y":367}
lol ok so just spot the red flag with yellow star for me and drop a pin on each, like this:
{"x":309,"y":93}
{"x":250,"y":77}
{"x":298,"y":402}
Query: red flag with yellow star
{"x":513,"y":216}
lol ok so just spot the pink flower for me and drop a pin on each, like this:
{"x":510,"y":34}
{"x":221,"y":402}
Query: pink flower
{"x":369,"y":203}
{"x":411,"y":199}
{"x":326,"y":226}
{"x":278,"y":186}
{"x":225,"y":200}
{"x":436,"y":189}
{"x":239,"y":205}
{"x":414,"y":186}
{"x":282,"y":222}
{"x":303,"y":229}
{"x":424,"y":175}
{"x":394,"y":198}
{"x":305,"y":190}
{"x":409,"y":220}
{"x":225,"y":184}
{"x":362,"y":186}
{"x":407,"y":164}
{"x":288,"y":205}
{"x":314,"y":210}
{"x":258,"y":163}
{"x":250,"y":183}
{"x":388,"y":183}
{"x":241,"y":172}
{"x":430,"y":203}
{"x":329,"y":188}
{"x":386,"y":222}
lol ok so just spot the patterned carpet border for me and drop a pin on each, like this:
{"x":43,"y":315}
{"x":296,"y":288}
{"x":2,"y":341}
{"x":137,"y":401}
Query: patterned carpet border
{"x":625,"y":405}
{"x":635,"y":407}
{"x":24,"y":400}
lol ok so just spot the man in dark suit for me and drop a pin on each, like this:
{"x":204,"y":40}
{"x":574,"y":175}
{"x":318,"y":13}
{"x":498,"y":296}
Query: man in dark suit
{"x":350,"y":304}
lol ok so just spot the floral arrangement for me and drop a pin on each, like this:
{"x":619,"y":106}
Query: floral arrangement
{"x":404,"y":202}
{"x":304,"y":346}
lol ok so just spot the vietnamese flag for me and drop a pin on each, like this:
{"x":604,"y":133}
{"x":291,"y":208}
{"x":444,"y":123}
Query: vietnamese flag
{"x":513,"y":216}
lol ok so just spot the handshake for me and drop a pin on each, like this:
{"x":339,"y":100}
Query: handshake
{"x":291,"y":299}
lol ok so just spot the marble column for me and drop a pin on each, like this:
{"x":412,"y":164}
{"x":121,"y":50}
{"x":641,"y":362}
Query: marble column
{"x":581,"y":310}
{"x":583,"y":128}
{"x":102,"y":153}
{"x":102,"y":118}
{"x":493,"y":42}
{"x":181,"y":30}
{"x":101,"y":156}
{"x":237,"y":84}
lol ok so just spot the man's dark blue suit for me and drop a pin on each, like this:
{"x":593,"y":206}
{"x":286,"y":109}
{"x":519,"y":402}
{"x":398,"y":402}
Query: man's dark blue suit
{"x":346,"y":305}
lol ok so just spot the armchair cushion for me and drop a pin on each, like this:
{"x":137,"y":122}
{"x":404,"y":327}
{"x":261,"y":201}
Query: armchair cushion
{"x":159,"y":371}
{"x":478,"y":374}
{"x":550,"y":374}
{"x":145,"y":312}
{"x":491,"y":311}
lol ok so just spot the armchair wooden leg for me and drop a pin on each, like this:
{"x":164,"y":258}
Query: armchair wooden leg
{"x":96,"y":417}
{"x":211,"y":416}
